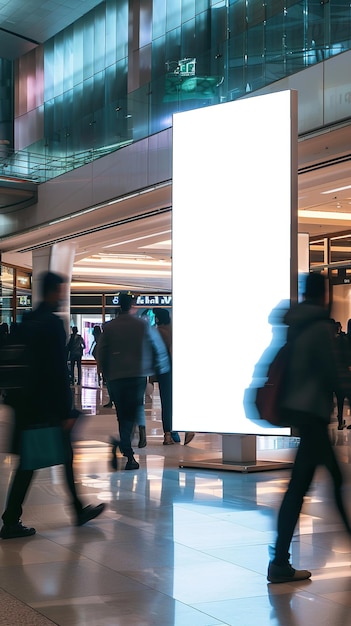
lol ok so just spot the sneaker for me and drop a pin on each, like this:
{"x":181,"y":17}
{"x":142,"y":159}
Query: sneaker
{"x":286,"y":573}
{"x":188,"y":438}
{"x":16,"y":530}
{"x":175,"y":436}
{"x":132,"y":464}
{"x":167,"y":439}
{"x":89,"y":512}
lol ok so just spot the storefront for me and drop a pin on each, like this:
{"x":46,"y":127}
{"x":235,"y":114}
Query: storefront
{"x":91,"y":309}
{"x":86,"y":309}
{"x":15,"y":293}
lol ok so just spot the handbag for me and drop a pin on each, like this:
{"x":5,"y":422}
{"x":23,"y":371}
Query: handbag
{"x":41,"y":446}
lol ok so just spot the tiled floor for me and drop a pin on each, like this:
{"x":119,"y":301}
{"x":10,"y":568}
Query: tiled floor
{"x":175,"y":546}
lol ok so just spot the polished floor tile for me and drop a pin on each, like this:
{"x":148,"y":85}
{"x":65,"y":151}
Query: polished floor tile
{"x":175,"y":546}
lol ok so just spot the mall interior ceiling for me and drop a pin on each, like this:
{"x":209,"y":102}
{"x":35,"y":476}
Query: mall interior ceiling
{"x":137,"y":255}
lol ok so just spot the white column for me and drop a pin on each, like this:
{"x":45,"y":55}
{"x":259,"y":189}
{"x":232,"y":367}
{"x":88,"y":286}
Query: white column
{"x":61,"y":262}
{"x":40,"y":264}
{"x":59,"y":259}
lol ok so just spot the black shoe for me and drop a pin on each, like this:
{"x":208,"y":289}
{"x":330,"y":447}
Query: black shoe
{"x":107,"y":406}
{"x":286,"y":573}
{"x":142,"y":437}
{"x":188,"y":438}
{"x":89,"y":512}
{"x":16,"y":530}
{"x":115,"y":445}
{"x":132,"y":464}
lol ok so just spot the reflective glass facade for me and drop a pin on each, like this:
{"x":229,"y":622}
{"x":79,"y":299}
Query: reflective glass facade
{"x":6,"y":107}
{"x":118,"y":74}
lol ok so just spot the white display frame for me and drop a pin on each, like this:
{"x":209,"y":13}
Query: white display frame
{"x":234,"y":250}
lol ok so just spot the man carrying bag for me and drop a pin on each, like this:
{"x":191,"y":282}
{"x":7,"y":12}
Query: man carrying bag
{"x":43,"y":404}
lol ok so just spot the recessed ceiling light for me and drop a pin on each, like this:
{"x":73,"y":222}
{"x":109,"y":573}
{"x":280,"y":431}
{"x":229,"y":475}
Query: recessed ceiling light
{"x":121,"y":243}
{"x":336,"y":189}
{"x":325,"y":215}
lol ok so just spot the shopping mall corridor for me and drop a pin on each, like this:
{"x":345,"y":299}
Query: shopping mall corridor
{"x":175,"y":546}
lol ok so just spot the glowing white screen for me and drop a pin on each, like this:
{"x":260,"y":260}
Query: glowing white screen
{"x":233,"y":167}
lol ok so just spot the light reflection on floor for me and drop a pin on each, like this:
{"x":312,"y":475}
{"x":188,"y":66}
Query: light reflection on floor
{"x":176,"y":546}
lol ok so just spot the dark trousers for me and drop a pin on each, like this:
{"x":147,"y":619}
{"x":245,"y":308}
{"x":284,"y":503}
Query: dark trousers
{"x":315,"y":449}
{"x":340,"y":398}
{"x":128,"y":397}
{"x":21,"y":483}
{"x":165,"y":388}
{"x":77,"y":360}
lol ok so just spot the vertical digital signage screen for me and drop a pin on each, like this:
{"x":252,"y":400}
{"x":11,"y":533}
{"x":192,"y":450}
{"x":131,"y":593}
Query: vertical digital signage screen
{"x":234,"y":256}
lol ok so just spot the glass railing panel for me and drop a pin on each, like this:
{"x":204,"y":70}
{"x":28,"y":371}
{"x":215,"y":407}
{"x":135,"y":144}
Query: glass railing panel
{"x":261,"y":45}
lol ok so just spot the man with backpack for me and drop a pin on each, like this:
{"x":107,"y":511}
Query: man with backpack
{"x":314,"y":374}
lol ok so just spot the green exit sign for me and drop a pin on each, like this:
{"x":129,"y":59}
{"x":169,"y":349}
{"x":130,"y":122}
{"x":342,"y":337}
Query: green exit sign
{"x":187,"y":67}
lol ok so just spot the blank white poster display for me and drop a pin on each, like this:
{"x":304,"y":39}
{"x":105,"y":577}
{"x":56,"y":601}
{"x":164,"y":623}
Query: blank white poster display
{"x":234,"y":257}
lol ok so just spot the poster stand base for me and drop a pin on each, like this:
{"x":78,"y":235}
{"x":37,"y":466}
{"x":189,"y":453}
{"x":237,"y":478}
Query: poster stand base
{"x":238,"y":455}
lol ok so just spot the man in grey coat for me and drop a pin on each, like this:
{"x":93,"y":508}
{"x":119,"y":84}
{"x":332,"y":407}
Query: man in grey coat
{"x":314,"y":374}
{"x":128,"y":351}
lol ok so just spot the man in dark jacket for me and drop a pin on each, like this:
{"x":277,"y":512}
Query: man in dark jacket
{"x":314,"y":374}
{"x":129,"y":350}
{"x":46,"y":398}
{"x":75,"y":349}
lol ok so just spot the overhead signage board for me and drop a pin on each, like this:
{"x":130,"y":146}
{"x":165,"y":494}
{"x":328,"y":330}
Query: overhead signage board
{"x":143,"y":300}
